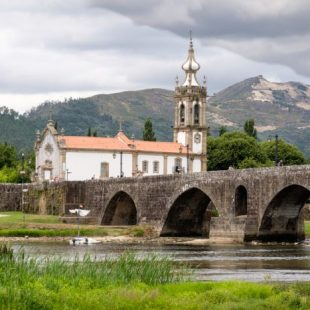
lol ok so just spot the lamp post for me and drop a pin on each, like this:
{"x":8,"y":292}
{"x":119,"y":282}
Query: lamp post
{"x":67,"y":174}
{"x":22,"y":173}
{"x":187,"y":158}
{"x":276,"y":149}
{"x":121,"y":165}
{"x":121,"y":173}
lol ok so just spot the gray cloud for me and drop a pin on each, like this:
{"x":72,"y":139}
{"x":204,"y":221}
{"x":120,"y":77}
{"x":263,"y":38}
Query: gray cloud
{"x":263,"y":30}
{"x":87,"y":46}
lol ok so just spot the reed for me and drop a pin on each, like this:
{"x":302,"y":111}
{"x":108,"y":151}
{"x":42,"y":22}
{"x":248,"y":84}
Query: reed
{"x":129,"y":282}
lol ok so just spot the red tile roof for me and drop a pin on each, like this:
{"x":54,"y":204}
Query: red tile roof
{"x":119,"y":143}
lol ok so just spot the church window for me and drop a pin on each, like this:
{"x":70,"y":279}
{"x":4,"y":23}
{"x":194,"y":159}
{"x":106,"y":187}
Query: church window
{"x":145,"y":166}
{"x":104,"y":170}
{"x":182,"y":113}
{"x":196,"y":114}
{"x":155,"y":167}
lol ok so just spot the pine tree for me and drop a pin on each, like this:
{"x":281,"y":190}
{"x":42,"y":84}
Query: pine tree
{"x":56,"y":125}
{"x":222,"y":130}
{"x":89,"y":132}
{"x":148,"y":133}
{"x":95,"y":133}
{"x":249,"y":128}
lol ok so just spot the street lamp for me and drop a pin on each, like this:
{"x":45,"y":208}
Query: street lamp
{"x":121,"y":165}
{"x":22,"y":174}
{"x":276,"y":149}
{"x":121,"y":174}
{"x":187,"y":158}
{"x":67,"y":173}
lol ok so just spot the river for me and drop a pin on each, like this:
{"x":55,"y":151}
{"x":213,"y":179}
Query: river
{"x":284,"y":263}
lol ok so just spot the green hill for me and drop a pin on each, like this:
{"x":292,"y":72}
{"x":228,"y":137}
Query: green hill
{"x":282,"y":108}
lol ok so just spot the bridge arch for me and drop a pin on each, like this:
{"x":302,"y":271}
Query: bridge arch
{"x":282,"y":219}
{"x":189,"y":215}
{"x":241,"y":201}
{"x":121,"y":210}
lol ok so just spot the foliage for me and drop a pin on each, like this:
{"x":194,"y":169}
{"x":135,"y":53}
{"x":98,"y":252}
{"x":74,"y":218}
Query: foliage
{"x":287,"y":153}
{"x":249,"y":128}
{"x":10,"y":165}
{"x":239,"y":150}
{"x":131,"y":283}
{"x":222,"y":130}
{"x":138,"y":232}
{"x":307,"y":228}
{"x":148,"y":133}
{"x":7,"y":156}
{"x":234,"y":149}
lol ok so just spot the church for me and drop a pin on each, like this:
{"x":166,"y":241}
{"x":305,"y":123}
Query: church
{"x":60,"y":157}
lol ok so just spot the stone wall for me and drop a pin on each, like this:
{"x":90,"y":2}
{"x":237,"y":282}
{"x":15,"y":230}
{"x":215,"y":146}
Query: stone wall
{"x":179,"y":204}
{"x":10,"y":197}
{"x":45,"y":198}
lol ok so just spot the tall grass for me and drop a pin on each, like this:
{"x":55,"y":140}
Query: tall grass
{"x":129,"y":283}
{"x":25,"y":281}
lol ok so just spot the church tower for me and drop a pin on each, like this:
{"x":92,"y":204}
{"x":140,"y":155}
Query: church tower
{"x":190,"y":127}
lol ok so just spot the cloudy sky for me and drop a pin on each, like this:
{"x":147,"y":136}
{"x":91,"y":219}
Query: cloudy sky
{"x":54,"y":49}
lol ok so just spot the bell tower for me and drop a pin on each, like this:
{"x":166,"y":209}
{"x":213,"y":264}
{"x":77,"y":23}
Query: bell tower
{"x":190,"y":127}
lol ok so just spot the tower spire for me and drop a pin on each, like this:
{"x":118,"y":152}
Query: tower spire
{"x":190,"y":39}
{"x":191,"y":66}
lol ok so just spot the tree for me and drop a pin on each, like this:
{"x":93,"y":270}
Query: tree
{"x":95,"y":133}
{"x":148,"y":133}
{"x":7,"y":156}
{"x":288,"y":154}
{"x":56,"y":125}
{"x":235,"y":149}
{"x":222,"y":130}
{"x":249,"y":128}
{"x":89,"y":132}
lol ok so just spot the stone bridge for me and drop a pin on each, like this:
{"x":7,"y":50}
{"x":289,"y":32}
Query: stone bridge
{"x":251,"y":204}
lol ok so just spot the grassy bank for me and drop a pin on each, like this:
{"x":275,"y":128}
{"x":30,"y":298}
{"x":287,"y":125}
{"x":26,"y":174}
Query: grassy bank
{"x":130,"y":283}
{"x":17,"y":224}
{"x":307,"y":228}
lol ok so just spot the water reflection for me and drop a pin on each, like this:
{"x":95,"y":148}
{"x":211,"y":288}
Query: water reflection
{"x":211,"y":262}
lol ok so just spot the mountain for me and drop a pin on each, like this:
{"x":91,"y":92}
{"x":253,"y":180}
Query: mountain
{"x":278,"y":108}
{"x":282,"y":108}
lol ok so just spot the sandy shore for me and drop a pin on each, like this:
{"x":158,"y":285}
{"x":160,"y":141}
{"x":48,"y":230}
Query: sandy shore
{"x":130,"y":240}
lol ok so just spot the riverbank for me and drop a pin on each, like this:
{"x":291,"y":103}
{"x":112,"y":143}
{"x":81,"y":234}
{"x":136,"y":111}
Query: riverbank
{"x":129,"y":282}
{"x":19,"y":227}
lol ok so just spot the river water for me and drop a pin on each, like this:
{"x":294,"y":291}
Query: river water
{"x":285,"y":263}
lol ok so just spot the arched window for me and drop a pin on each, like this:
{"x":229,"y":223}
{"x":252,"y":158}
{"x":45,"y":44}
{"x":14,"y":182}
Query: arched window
{"x":196,"y":114}
{"x":104,"y":170}
{"x":182,"y":113}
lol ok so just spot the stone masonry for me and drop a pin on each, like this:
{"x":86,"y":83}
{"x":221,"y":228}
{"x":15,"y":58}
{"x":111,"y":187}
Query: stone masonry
{"x":250,"y":204}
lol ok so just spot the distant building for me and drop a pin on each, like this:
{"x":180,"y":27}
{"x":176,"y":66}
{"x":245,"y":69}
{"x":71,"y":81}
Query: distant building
{"x":60,"y":157}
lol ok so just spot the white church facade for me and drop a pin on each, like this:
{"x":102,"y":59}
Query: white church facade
{"x":61,"y":157}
